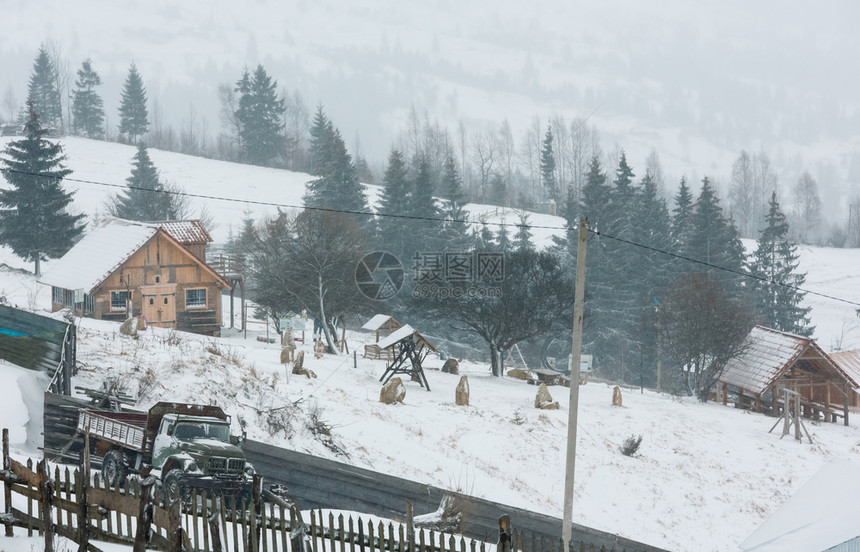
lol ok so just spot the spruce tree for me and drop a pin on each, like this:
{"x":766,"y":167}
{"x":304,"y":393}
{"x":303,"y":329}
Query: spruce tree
{"x":621,"y":273}
{"x":523,"y":235}
{"x":682,"y":217}
{"x":455,"y":234}
{"x":42,"y":91}
{"x":776,"y":288}
{"x":320,"y":131}
{"x":87,"y":106}
{"x":133,"y":115}
{"x":337,"y":186}
{"x":146,"y":198}
{"x":394,"y":201}
{"x":547,"y":168}
{"x":260,"y":117}
{"x":714,"y":243}
{"x":34,"y":220}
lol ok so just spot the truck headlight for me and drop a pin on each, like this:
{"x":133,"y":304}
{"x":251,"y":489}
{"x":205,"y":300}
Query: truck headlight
{"x":249,"y":470}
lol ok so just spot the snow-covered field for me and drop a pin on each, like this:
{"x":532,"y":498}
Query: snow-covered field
{"x":704,"y":478}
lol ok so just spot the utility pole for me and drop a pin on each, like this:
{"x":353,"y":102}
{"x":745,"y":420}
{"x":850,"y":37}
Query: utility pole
{"x":575,"y":356}
{"x":659,"y":355}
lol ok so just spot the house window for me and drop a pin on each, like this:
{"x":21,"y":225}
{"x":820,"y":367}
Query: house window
{"x":165,"y":300}
{"x":89,"y":303}
{"x":118,"y":300}
{"x":157,"y":279}
{"x":69,"y":298}
{"x":57,"y":295}
{"x":195,"y":298}
{"x":151,"y":301}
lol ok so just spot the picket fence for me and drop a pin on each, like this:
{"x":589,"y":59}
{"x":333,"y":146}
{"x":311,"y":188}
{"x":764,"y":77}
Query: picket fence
{"x":77,"y":505}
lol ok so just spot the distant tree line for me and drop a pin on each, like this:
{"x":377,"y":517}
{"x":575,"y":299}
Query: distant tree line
{"x":544,"y":169}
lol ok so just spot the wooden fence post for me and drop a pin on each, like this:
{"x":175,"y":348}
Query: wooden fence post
{"x":146,"y":513}
{"x":410,"y":526}
{"x":504,"y":544}
{"x":299,"y":541}
{"x":46,"y":503}
{"x":214,"y":532}
{"x":83,"y":480}
{"x":177,"y":540}
{"x":7,"y":484}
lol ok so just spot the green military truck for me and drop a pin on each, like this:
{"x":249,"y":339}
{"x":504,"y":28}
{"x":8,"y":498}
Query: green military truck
{"x":187,"y":446}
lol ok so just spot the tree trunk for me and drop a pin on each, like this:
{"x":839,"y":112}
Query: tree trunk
{"x":38,"y":270}
{"x":325,"y":326}
{"x":495,"y":360}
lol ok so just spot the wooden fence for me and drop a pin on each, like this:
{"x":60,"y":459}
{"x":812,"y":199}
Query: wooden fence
{"x":77,"y":505}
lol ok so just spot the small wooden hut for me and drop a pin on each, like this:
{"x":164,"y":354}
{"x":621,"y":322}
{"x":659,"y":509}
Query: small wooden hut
{"x":771,"y":360}
{"x":383,"y":325}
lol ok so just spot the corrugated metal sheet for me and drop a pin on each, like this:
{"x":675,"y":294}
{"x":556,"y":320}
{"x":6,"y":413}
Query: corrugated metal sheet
{"x":849,"y":362}
{"x":767,"y":354}
{"x":186,"y":231}
{"x":852,"y":545}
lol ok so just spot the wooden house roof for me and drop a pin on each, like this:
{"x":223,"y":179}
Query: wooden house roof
{"x":185,"y":231}
{"x":767,"y":354}
{"x":378,"y":321}
{"x":104,"y":250}
{"x":849,"y":362}
{"x":403,"y":333}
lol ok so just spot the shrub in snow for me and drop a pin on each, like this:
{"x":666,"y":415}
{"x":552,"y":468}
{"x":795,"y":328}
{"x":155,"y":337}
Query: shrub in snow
{"x":630,"y":445}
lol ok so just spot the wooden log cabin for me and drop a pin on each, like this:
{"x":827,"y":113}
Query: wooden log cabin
{"x":770,"y":360}
{"x":155,"y":270}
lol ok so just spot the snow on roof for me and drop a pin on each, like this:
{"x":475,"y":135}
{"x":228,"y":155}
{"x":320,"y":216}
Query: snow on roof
{"x":90,"y":261}
{"x":185,"y":231}
{"x":395,"y":336}
{"x":848,"y":362}
{"x":767,"y":354}
{"x":819,"y":516}
{"x":377,"y":322}
{"x":402,"y":333}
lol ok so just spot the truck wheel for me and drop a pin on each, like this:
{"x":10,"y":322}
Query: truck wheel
{"x":173,"y":487}
{"x":114,"y":469}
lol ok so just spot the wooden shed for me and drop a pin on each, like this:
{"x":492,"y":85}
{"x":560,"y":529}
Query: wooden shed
{"x":383,"y":325}
{"x":770,"y":361}
{"x":125,"y":268}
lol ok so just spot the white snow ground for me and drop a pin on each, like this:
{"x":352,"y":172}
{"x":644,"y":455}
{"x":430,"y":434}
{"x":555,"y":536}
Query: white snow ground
{"x":705,"y":477}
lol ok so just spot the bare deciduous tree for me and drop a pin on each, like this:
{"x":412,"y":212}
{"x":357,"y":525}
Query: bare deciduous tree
{"x":742,"y":194}
{"x":308,"y":261}
{"x":485,"y":153}
{"x":807,"y":209}
{"x":703,"y":328}
{"x":10,"y":104}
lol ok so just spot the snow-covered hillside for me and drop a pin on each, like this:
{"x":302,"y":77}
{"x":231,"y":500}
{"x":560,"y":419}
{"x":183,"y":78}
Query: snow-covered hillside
{"x":704,"y":477}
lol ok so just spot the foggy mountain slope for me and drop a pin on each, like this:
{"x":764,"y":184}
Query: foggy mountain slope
{"x":695,"y":81}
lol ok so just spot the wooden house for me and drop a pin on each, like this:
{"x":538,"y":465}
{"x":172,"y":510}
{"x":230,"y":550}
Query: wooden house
{"x":125,"y":268}
{"x":770,"y":361}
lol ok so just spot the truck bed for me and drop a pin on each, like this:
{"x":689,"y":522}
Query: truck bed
{"x":126,"y":429}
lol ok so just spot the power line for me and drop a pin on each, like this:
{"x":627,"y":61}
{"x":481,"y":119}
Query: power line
{"x":444,"y":220}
